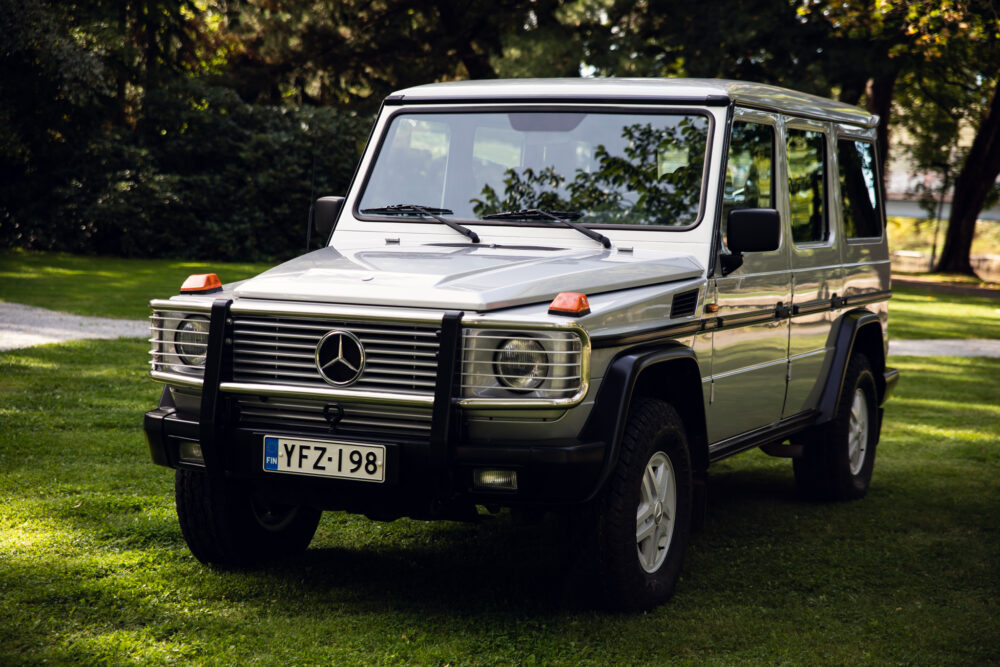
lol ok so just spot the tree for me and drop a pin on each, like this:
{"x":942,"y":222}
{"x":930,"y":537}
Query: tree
{"x":973,"y":186}
{"x":351,"y":53}
{"x":898,"y":59}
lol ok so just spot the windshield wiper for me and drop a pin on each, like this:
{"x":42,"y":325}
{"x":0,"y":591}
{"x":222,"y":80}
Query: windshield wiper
{"x":426,"y":211}
{"x":565,"y":217}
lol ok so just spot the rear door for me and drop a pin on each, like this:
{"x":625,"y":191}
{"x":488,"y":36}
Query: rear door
{"x":817,"y":271}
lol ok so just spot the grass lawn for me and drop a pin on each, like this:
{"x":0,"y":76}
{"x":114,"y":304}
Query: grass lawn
{"x":916,"y":313}
{"x":103,"y":286}
{"x":93,"y":568}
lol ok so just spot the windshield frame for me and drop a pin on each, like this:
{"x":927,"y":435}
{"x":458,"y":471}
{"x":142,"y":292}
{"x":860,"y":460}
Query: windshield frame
{"x":652,"y":108}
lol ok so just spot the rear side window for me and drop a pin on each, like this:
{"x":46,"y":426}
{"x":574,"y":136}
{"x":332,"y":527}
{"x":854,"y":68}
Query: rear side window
{"x":858,"y":189}
{"x":806,"y":153}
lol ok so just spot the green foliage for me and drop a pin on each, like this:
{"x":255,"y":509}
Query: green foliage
{"x":213,"y":177}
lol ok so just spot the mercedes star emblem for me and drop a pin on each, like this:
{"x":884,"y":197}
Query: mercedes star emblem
{"x":340,"y":357}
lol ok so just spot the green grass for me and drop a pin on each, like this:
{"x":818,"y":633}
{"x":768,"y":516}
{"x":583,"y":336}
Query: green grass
{"x":102,"y":286}
{"x":93,"y":568}
{"x":916,"y":313}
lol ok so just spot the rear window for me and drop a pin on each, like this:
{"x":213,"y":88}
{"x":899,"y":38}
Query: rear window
{"x":858,"y":189}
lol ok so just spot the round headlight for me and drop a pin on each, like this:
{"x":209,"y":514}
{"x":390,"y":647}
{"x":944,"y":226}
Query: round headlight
{"x":520,"y":363}
{"x":191,"y":340}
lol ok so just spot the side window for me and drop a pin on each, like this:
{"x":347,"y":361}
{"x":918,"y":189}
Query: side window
{"x":749,"y":169}
{"x":806,"y":153}
{"x":858,"y":189}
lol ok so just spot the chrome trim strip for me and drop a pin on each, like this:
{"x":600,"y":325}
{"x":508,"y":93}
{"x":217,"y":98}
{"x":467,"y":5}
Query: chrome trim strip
{"x":173,"y":378}
{"x":183,"y":304}
{"x":528,"y":403}
{"x":727,"y":321}
{"x":345,"y":395}
{"x":308,"y":309}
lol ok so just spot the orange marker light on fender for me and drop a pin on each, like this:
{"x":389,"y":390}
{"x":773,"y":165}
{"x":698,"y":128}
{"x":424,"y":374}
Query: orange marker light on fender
{"x":570,"y":303}
{"x":201,"y":283}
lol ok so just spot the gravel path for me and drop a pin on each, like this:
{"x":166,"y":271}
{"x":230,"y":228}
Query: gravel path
{"x":24,"y":326}
{"x":948,"y":347}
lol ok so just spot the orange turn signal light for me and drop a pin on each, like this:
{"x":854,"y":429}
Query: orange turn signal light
{"x":569,"y":303}
{"x":201,"y":283}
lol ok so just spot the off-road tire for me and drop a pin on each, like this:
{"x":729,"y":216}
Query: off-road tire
{"x":225,"y":525}
{"x":825,"y":470}
{"x":654,"y":429}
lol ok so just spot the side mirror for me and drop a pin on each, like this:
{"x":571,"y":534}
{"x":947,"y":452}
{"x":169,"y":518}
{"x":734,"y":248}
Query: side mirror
{"x":750,"y":230}
{"x":324,"y":215}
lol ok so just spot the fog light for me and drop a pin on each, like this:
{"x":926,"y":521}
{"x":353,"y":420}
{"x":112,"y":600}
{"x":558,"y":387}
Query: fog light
{"x":494,"y":480}
{"x":190,"y":452}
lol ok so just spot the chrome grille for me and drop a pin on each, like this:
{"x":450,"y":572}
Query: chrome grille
{"x":400,"y":358}
{"x":359,"y":419}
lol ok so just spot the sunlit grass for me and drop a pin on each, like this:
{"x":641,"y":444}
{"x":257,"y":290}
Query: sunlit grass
{"x":924,"y":314}
{"x":102,"y":286}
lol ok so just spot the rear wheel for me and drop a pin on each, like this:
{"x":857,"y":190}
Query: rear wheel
{"x":645,"y":514}
{"x":226,"y":524}
{"x":837,"y":460}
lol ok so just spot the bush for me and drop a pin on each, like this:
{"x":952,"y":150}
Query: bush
{"x":204,"y":175}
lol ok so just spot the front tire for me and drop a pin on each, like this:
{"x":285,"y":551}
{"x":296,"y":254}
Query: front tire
{"x":645,"y":514}
{"x":226,"y":525}
{"x":837,"y":461}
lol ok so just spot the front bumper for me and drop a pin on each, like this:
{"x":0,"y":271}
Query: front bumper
{"x":549,"y":474}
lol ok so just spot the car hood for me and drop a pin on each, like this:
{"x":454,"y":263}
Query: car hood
{"x":469,"y":277}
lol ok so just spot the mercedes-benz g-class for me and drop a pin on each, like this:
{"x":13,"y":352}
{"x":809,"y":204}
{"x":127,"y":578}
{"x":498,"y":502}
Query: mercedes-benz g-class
{"x":569,"y":295}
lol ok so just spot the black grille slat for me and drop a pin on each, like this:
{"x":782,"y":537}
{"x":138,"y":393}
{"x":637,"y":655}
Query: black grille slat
{"x":369,"y":421}
{"x":684,"y":304}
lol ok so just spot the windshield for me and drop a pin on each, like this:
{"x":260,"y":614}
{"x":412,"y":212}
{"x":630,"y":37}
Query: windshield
{"x":610,"y":168}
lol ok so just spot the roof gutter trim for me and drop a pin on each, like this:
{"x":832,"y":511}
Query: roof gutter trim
{"x":706,"y":100}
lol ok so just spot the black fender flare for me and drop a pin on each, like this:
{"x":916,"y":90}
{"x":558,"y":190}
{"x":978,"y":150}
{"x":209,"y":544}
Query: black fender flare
{"x":847,"y":333}
{"x":608,"y":417}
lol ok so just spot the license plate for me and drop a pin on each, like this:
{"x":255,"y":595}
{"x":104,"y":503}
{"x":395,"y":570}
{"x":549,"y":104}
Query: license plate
{"x":323,"y":458}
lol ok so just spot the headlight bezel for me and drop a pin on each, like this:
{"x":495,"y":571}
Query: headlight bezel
{"x":566,"y":353}
{"x":178,"y":343}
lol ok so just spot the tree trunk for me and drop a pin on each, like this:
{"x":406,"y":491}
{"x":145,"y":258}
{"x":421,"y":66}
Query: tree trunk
{"x":879,"y":93}
{"x":980,"y":171}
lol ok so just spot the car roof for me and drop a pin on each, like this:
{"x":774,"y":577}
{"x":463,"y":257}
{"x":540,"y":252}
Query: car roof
{"x":637,"y":91}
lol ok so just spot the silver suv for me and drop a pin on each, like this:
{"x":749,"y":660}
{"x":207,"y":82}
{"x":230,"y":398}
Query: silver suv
{"x":568,"y":295}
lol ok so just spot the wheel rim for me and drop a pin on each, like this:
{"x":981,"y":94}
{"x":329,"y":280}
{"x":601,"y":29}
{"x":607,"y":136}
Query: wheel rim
{"x":655,"y":516}
{"x":857,"y":438}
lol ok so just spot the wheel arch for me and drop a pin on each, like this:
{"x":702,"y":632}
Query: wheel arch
{"x":857,"y":331}
{"x":670,"y":373}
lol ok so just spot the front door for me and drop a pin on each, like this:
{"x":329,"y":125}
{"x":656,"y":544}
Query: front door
{"x":750,"y":350}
